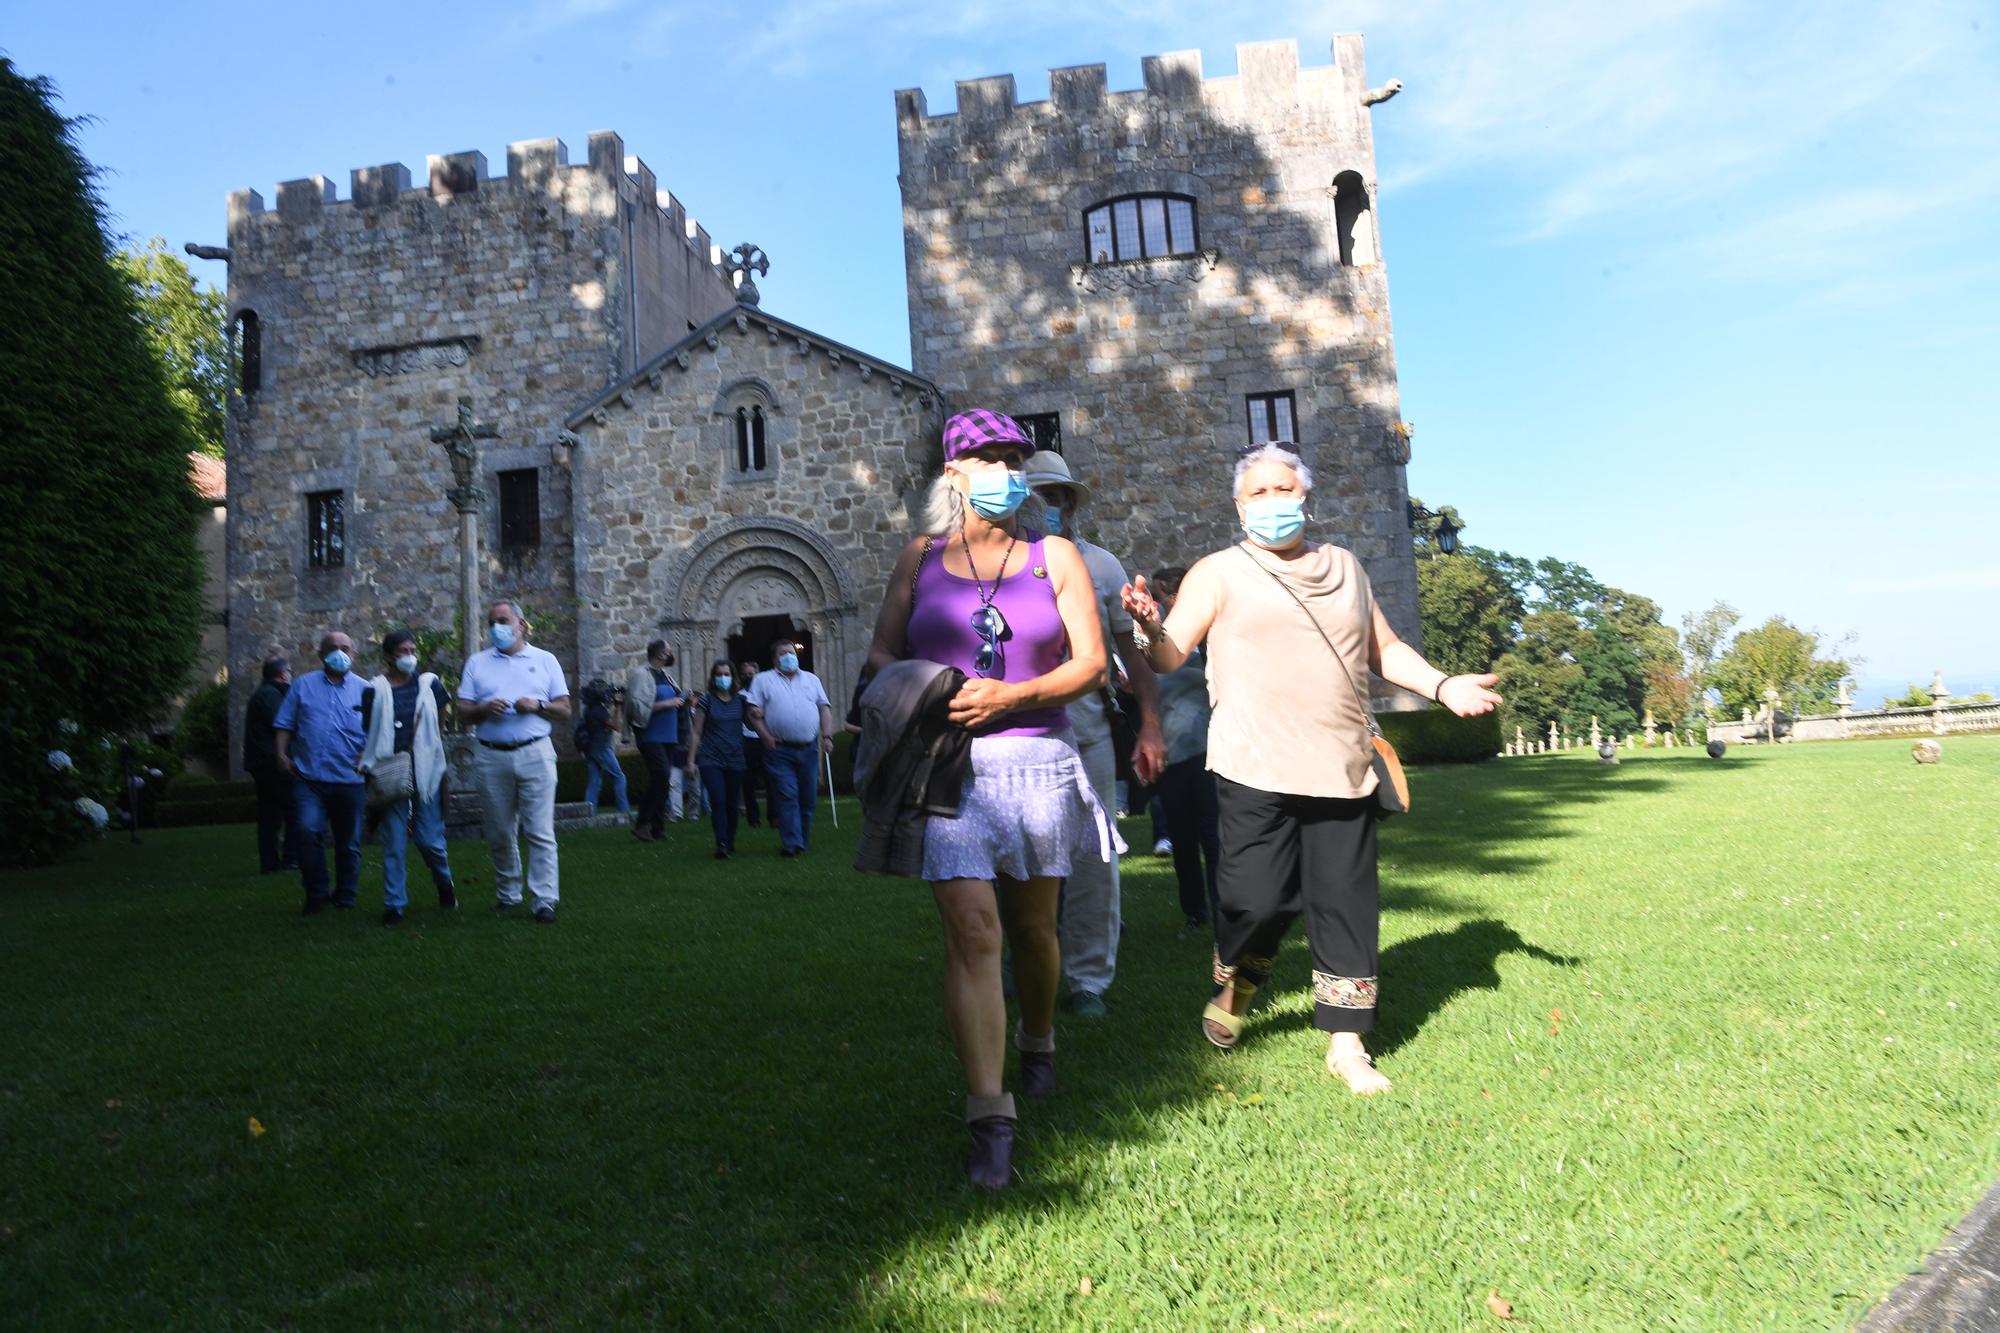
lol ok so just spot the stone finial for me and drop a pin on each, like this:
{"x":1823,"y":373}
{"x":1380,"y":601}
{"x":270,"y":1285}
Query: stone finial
{"x":1596,"y":736}
{"x":744,"y":260}
{"x":1555,"y":735}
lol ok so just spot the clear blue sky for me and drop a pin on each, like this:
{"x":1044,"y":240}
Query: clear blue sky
{"x":1704,"y":296}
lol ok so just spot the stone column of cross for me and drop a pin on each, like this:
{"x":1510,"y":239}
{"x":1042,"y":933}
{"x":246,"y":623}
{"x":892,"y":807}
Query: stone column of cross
{"x":460,"y":439}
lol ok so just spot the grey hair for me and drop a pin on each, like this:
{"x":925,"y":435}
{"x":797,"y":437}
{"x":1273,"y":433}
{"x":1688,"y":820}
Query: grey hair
{"x":1277,"y":452}
{"x":519,"y":614}
{"x":944,"y":509}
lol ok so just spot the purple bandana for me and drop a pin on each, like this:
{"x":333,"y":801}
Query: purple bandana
{"x":979,"y":428}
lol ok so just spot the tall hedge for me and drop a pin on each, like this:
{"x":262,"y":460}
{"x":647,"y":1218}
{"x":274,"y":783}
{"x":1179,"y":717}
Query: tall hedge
{"x":98,"y":540}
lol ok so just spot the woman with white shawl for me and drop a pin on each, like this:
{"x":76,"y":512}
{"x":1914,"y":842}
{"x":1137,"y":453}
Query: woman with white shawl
{"x":399,"y":716}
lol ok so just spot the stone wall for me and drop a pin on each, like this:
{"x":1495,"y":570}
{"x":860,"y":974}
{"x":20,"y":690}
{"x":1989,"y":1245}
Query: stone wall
{"x":527,"y":292}
{"x":675,"y":540}
{"x":1149,"y":361}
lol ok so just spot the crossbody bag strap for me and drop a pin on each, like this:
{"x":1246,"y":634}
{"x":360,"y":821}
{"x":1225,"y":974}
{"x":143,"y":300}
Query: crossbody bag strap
{"x":1367,"y":712}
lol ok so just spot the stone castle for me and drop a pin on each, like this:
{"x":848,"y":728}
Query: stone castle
{"x":1151,"y":280}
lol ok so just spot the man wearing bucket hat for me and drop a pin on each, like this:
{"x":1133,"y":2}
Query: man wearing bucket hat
{"x":1090,"y":898}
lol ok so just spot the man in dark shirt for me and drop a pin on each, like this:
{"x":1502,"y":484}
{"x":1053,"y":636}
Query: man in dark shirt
{"x":260,"y":759}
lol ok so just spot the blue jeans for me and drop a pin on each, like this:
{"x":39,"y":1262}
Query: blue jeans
{"x":399,"y":826}
{"x":603,"y":762}
{"x":723,"y":787}
{"x":793,"y":771}
{"x":323,"y":811}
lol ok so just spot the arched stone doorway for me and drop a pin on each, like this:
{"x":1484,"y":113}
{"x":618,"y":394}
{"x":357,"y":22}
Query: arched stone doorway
{"x":743,"y":575}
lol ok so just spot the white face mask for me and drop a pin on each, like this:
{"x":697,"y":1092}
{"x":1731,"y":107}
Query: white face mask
{"x":407,"y":664}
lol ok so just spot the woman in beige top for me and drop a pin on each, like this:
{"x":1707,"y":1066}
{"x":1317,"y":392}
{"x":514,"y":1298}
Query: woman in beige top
{"x":1291,"y":750}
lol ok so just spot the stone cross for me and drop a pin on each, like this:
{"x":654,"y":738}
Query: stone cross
{"x":744,"y":260}
{"x":1652,"y":729}
{"x":1520,"y":741}
{"x":1596,"y":736}
{"x":1554,"y":736}
{"x":460,"y":440}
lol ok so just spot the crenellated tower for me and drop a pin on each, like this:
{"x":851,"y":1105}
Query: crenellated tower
{"x":1156,"y":278}
{"x":360,"y":322}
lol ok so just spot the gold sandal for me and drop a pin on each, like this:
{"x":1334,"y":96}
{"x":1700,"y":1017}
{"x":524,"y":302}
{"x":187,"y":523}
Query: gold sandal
{"x":1232,"y":1024}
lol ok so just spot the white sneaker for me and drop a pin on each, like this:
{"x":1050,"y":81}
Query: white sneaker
{"x":1164,"y":847}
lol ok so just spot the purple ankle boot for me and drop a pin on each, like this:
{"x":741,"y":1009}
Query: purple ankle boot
{"x":990,"y":1120}
{"x":1038,"y":1063}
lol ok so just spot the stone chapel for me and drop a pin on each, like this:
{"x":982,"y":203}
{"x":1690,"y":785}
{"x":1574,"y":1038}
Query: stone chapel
{"x":1150,"y":280}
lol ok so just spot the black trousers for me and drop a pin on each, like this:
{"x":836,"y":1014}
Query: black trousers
{"x":659,"y":767}
{"x":754,"y":781}
{"x":275,"y":850}
{"x":1283,"y":855}
{"x":1187,"y":792}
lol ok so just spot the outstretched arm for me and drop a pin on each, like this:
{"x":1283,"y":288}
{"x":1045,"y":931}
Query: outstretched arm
{"x":1166,"y":647}
{"x":1399,"y":664}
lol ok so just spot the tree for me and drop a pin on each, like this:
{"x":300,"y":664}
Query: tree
{"x":1780,"y":656}
{"x":1702,"y":636}
{"x":188,"y":331}
{"x":99,"y":547}
{"x":1913,"y":697}
{"x":1468,"y":614}
{"x":1540,"y":674}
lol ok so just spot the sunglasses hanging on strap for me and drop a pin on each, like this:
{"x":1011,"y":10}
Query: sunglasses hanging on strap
{"x":1392,"y":787}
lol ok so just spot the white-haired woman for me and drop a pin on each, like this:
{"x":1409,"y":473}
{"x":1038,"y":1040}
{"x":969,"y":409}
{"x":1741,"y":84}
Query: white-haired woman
{"x":986,"y":591}
{"x":1293,"y":758}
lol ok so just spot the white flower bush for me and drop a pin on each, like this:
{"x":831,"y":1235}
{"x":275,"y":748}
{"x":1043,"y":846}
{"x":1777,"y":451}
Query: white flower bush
{"x":60,"y":762}
{"x":92,"y":811}
{"x":68,"y":727}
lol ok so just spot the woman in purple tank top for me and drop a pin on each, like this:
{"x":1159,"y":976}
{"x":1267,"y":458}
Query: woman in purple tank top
{"x":984,"y":591}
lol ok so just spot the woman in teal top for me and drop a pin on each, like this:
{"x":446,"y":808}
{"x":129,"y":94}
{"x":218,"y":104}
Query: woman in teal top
{"x":716,"y":751}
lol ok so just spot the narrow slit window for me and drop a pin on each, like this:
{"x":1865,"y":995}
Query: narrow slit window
{"x":249,"y":352}
{"x":758,"y":458}
{"x":1273,"y":417}
{"x":742,"y":439}
{"x":326,"y":529}
{"x":520,"y":509}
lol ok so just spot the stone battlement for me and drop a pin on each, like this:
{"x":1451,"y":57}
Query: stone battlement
{"x":1266,"y":71}
{"x":532,"y":164}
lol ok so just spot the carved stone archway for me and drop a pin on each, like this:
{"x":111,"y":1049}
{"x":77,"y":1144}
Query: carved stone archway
{"x":764,"y":565}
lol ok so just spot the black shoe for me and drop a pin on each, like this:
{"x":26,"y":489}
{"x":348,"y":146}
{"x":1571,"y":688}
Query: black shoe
{"x":545,"y":915}
{"x":504,"y":908}
{"x":447,"y":898}
{"x":340,"y":906}
{"x":790,"y":853}
{"x":722,"y":853}
{"x":314,"y":906}
{"x":392,"y":916}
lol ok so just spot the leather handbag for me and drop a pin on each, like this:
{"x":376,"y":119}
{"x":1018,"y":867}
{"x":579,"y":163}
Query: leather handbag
{"x":1392,"y":786}
{"x":391,"y":780}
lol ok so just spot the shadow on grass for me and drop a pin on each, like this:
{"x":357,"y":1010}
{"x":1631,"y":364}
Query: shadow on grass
{"x":716,"y":1092}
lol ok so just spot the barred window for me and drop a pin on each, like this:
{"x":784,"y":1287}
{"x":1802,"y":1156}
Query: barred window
{"x":1273,"y":417}
{"x":326,"y":530}
{"x":1140,"y":226}
{"x":520,"y":509}
{"x":1045,"y":429}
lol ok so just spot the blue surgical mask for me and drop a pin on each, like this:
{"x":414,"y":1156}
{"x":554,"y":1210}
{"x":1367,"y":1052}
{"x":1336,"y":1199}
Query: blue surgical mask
{"x":337,"y":662}
{"x":502,"y":636}
{"x":1055,"y":521}
{"x":788,"y":662}
{"x":1275,"y":522}
{"x":997,"y":494}
{"x":722,"y":682}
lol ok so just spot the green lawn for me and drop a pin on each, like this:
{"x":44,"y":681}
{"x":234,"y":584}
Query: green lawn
{"x":1676,"y":1044}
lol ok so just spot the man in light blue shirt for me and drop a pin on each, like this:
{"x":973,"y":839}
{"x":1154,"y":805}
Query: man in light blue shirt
{"x":317,"y":735}
{"x":510,"y":692}
{"x":794,"y":719}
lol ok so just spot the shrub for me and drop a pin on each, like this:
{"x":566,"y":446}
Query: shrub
{"x":100,"y":539}
{"x":203,"y":731}
{"x":1440,"y":736}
